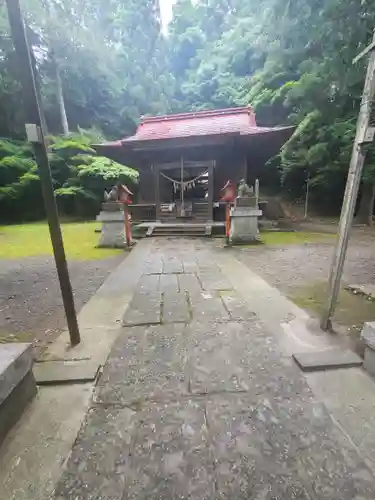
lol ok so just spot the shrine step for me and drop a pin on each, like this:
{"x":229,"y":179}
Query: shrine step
{"x":17,"y":384}
{"x":182,"y":230}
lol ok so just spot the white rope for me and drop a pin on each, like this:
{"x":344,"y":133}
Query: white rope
{"x":183,"y":184}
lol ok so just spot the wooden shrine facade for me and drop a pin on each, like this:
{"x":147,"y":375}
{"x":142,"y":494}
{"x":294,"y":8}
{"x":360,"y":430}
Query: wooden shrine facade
{"x":185,"y":160}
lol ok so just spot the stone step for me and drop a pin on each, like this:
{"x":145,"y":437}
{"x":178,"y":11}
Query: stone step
{"x":177,"y":231}
{"x":172,"y":233}
{"x":17,"y":383}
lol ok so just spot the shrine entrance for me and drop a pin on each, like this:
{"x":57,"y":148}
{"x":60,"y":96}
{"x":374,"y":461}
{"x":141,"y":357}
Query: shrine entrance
{"x":184,"y":191}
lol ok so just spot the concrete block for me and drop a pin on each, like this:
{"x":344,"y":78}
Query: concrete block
{"x":59,"y":372}
{"x":112,"y":235}
{"x":244,"y":225}
{"x":113,"y":228}
{"x":117,"y":216}
{"x":17,"y":384}
{"x":12,"y":408}
{"x":327,"y":360}
{"x":15,"y":362}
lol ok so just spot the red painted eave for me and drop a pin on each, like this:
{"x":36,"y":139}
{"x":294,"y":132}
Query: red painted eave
{"x":223,"y":122}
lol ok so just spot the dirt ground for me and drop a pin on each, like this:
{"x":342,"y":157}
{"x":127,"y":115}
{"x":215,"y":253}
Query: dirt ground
{"x":301,"y":272}
{"x":31,"y":307}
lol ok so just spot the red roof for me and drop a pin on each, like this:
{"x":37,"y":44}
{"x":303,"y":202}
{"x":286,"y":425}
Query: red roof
{"x":239,"y":121}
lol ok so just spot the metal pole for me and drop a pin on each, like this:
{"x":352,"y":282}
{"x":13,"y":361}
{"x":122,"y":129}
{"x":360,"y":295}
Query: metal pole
{"x":35,"y":135}
{"x":363,"y":136}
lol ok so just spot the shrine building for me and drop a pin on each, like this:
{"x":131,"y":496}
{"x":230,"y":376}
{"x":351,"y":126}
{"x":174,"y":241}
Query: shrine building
{"x":184,"y":160}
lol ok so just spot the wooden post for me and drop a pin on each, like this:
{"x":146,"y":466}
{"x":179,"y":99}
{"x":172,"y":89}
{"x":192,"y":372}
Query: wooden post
{"x":227,"y":222}
{"x":34,"y":130}
{"x":210,"y":199}
{"x":128,"y":234}
{"x":364,"y":135}
{"x":157,"y":191}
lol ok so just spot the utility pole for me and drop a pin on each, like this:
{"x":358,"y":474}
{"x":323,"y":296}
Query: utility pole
{"x":35,"y":135}
{"x":364,"y":135}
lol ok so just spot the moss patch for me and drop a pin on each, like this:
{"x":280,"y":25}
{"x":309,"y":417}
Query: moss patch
{"x":6,"y":337}
{"x":30,"y":240}
{"x":279,"y":238}
{"x":351,"y":311}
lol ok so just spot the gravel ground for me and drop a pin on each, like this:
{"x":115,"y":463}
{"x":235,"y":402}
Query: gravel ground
{"x":296,"y":265}
{"x":31,"y":308}
{"x":301,"y":272}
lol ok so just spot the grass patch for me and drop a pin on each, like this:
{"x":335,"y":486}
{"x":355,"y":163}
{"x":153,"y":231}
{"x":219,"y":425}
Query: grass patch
{"x":30,"y":240}
{"x":6,"y":337}
{"x":351,"y":310}
{"x":279,"y":238}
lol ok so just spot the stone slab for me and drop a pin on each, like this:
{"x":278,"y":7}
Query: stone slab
{"x":169,"y":282}
{"x":236,"y":307}
{"x":172,"y":264}
{"x":34,"y":451}
{"x":349,"y":396}
{"x":171,"y":456}
{"x":282,"y":448}
{"x":153,"y":265}
{"x":144,"y":309}
{"x":147,"y":363}
{"x":270,"y":439}
{"x":327,"y":360}
{"x":148,"y":283}
{"x":15,"y":362}
{"x":175,"y":307}
{"x":189,"y":283}
{"x":98,"y":462}
{"x":206,"y":306}
{"x":239,"y":357}
{"x":60,"y":372}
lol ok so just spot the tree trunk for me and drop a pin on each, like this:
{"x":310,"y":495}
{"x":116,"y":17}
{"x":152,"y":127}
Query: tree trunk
{"x":60,"y":98}
{"x":366,"y":206}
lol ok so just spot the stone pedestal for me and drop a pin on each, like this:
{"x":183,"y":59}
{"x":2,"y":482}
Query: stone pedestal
{"x":368,"y":338}
{"x":17,"y":384}
{"x":113,"y":227}
{"x":244,"y":224}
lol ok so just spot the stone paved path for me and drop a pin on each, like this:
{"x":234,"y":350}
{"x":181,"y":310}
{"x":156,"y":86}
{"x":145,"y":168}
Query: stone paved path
{"x":197,"y":401}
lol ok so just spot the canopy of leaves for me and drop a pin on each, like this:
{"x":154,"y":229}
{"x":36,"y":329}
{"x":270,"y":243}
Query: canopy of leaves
{"x":79,"y":176}
{"x":111,"y":59}
{"x":291,"y":60}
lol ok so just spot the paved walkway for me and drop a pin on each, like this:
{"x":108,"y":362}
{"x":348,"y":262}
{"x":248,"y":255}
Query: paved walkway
{"x":198,"y":401}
